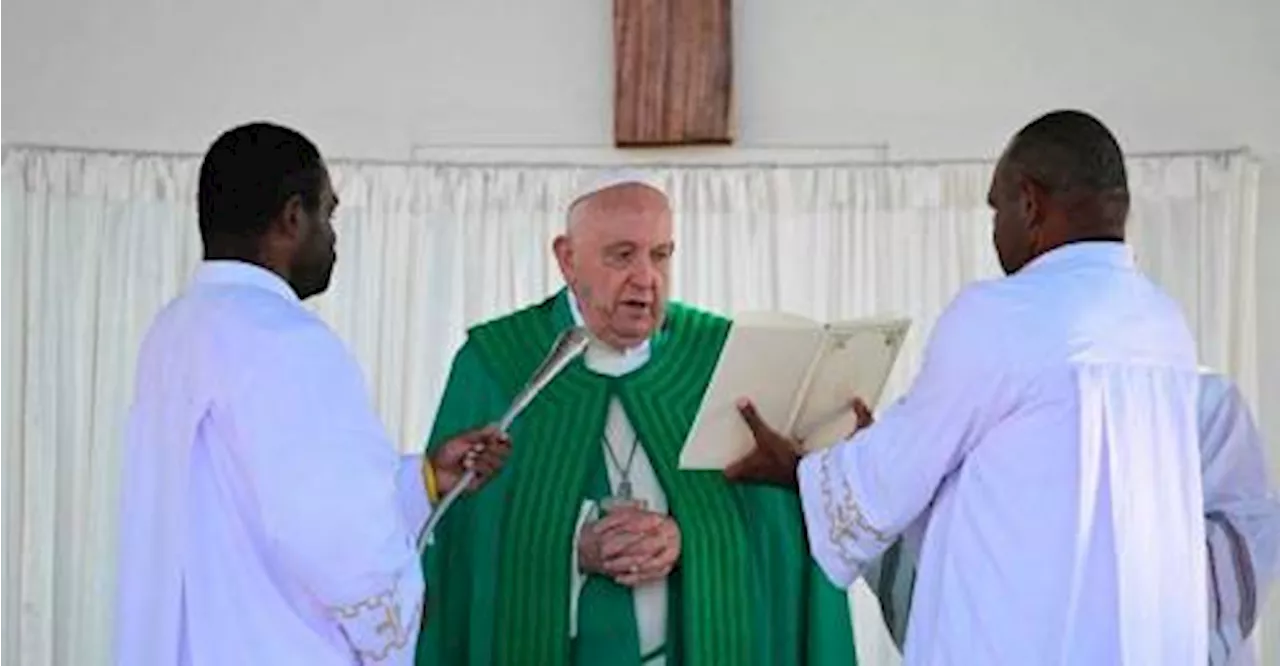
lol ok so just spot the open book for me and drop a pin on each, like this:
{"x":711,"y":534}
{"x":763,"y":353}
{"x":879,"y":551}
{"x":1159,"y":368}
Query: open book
{"x":801,"y":375}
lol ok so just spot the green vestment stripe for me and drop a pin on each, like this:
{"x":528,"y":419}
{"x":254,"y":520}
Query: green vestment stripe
{"x":549,"y":469}
{"x":499,"y":572}
{"x":564,"y":426}
{"x":607,"y":629}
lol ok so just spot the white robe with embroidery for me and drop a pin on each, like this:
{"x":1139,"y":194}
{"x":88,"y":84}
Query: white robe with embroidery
{"x":1242,"y":513}
{"x":266,"y":518}
{"x":1051,"y":435}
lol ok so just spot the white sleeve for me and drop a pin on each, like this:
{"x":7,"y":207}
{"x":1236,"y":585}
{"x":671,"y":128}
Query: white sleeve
{"x":325,"y":477}
{"x":858,"y":495}
{"x":413,"y":492}
{"x":1242,"y":517}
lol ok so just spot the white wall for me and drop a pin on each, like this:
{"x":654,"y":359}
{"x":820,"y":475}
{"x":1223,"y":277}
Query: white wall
{"x":933,"y":79}
{"x":369,"y":78}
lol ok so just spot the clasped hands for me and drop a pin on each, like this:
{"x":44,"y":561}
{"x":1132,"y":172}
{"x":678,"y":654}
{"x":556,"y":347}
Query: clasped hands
{"x":633,"y":546}
{"x":630,"y":545}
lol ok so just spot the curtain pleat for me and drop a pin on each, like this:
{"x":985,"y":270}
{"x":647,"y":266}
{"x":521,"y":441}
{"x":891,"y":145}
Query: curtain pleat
{"x":94,"y":245}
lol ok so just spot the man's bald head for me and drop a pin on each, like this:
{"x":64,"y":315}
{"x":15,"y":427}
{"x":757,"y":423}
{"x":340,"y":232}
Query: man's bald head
{"x":1061,"y":179}
{"x":623,"y":198}
{"x":615,"y":256}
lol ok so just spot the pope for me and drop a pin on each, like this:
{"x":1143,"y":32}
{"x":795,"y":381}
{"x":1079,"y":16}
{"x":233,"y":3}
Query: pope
{"x":591,"y":546}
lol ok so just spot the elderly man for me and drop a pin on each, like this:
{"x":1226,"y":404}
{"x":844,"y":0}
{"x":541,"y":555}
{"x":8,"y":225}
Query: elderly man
{"x":1051,"y":434}
{"x":1242,"y":524}
{"x":592,"y":547}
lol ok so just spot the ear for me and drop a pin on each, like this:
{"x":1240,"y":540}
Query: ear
{"x":563,"y":249}
{"x":1032,"y":200}
{"x":293,"y":218}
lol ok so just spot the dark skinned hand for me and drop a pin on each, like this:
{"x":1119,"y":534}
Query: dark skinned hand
{"x":776,"y":458}
{"x":484,"y":450}
{"x":863,"y":412}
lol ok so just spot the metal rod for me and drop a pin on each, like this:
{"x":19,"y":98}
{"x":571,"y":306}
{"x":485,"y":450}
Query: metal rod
{"x":571,"y":344}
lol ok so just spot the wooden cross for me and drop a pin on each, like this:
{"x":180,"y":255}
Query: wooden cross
{"x":673,"y":80}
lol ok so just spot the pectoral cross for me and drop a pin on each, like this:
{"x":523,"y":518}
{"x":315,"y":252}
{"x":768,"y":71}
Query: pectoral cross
{"x":622,"y":497}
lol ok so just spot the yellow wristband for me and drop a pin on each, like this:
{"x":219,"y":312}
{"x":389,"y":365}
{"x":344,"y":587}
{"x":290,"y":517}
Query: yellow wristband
{"x":429,"y":480}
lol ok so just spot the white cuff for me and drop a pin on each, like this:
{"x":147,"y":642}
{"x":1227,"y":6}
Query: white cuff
{"x":383,"y":627}
{"x":577,"y":577}
{"x":825,"y":538}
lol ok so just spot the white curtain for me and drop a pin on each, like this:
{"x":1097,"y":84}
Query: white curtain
{"x":94,"y":244}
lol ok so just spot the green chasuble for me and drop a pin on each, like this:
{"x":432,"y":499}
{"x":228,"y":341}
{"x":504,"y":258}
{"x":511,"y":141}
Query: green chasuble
{"x":744,"y":591}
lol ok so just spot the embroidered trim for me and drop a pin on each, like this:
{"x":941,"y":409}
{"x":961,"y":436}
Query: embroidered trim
{"x":847,"y":520}
{"x":390,"y":623}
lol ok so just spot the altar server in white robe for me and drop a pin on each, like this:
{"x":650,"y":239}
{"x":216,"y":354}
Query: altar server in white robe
{"x":1051,"y":432}
{"x":266,"y":517}
{"x":1242,"y":523}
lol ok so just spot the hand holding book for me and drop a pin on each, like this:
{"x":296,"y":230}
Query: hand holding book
{"x":775,"y":457}
{"x":798,"y":376}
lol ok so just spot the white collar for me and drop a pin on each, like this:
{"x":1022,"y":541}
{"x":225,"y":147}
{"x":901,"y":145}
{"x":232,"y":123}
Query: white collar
{"x":242,"y":273}
{"x":1111,"y":253}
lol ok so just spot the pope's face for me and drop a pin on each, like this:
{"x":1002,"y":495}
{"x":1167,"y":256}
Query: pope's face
{"x":617,"y":260}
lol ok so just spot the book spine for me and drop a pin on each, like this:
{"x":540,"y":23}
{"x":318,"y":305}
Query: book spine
{"x":798,"y":403}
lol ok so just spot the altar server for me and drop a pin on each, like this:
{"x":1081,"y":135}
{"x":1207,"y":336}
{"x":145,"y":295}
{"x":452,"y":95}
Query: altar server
{"x":266,"y":517}
{"x":1242,"y":514}
{"x":1051,"y":432}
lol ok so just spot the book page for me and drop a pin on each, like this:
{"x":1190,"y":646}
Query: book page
{"x":857,"y":358}
{"x":765,"y":358}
